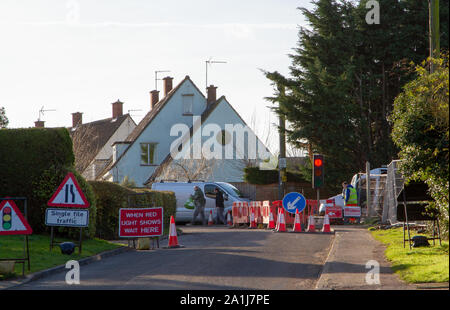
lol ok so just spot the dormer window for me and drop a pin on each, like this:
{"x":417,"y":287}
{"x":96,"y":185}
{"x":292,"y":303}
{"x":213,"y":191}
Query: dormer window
{"x":188,"y":103}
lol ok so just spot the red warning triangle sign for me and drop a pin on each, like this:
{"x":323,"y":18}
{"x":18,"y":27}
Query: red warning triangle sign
{"x":12,"y":221}
{"x":68,"y":194}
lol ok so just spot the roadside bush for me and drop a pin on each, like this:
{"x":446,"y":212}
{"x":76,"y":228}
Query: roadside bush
{"x":254,"y":175}
{"x":421,"y":131}
{"x":33,"y":163}
{"x":111,"y":197}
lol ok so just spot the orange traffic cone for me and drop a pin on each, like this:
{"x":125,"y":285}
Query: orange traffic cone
{"x":326,"y":224}
{"x":311,"y":225}
{"x":271,"y":221}
{"x":229,"y":221}
{"x":282,"y":226}
{"x":297,"y":225}
{"x":173,"y":238}
{"x":252,"y":218}
{"x":210,"y":219}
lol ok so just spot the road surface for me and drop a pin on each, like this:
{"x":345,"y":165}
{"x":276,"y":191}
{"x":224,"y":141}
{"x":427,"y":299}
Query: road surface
{"x":213,"y":258}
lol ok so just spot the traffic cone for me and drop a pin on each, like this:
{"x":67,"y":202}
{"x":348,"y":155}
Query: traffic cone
{"x":311,"y":226}
{"x":252,"y":218}
{"x":173,"y":238}
{"x":297,"y":225}
{"x":271,"y":221}
{"x":326,"y":224}
{"x":229,"y":221}
{"x":210,"y":219}
{"x":282,"y":226}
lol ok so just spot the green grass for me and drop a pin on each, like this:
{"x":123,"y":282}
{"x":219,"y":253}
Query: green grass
{"x":40,"y":256}
{"x":418,"y":265}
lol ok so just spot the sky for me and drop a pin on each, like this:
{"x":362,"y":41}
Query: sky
{"x":66,"y":56}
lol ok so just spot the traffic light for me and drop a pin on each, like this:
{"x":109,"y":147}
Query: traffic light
{"x":317,"y":177}
{"x":7,"y":218}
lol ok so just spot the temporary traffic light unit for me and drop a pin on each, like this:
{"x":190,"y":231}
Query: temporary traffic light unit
{"x":317,"y":177}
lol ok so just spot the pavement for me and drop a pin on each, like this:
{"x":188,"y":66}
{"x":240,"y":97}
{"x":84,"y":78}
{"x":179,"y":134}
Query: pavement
{"x":353,"y":255}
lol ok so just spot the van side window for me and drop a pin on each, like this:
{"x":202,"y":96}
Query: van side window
{"x":209,"y":190}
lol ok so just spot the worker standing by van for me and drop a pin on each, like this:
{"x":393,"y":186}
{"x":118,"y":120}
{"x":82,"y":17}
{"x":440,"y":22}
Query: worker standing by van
{"x":199,"y":202}
{"x":349,"y":194}
{"x":219,"y":207}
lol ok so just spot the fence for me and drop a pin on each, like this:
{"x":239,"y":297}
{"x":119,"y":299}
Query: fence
{"x":262,"y":209}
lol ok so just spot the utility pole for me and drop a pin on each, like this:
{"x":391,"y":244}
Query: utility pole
{"x":433,"y":6}
{"x":282,"y":158}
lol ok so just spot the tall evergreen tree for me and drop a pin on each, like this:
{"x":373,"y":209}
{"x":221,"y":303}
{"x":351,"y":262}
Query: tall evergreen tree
{"x":345,"y":75}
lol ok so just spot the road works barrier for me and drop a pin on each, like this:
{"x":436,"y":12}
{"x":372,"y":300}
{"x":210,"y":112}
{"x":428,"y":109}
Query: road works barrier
{"x":240,"y":212}
{"x":262,"y":210}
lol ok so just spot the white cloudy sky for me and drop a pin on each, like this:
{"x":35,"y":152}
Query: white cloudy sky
{"x":82,"y":55}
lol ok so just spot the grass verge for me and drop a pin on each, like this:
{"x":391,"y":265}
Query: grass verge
{"x":418,"y":265}
{"x":40,"y":256}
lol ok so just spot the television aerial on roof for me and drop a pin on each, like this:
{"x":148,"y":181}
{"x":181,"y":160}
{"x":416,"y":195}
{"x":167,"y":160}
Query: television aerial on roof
{"x":210,"y":62}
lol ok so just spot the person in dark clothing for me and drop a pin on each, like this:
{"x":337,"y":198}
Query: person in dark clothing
{"x":219,"y":207}
{"x":199,"y":202}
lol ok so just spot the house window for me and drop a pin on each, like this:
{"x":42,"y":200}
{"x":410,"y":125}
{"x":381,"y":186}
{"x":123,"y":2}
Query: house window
{"x":148,"y":153}
{"x":188,"y":103}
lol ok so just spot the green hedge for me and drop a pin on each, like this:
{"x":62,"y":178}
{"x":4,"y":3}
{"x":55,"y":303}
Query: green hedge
{"x":33,"y":162}
{"x":254,"y":175}
{"x":111,"y":197}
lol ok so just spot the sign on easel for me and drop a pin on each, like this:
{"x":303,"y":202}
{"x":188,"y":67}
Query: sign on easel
{"x":69,"y":194}
{"x":12,"y":221}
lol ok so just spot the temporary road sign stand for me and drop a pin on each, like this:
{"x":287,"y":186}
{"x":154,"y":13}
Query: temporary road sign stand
{"x":68,"y":195}
{"x":133,"y":202}
{"x":26,"y":248}
{"x":77,"y":245}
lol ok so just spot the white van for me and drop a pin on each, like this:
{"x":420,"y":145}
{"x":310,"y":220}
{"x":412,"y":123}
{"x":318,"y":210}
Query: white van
{"x":183,"y":191}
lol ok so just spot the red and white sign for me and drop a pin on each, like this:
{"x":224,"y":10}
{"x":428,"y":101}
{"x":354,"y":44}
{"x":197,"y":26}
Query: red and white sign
{"x":68,"y":194}
{"x":352,"y":211}
{"x":140,"y":222}
{"x":333,"y":212}
{"x":12,"y":221}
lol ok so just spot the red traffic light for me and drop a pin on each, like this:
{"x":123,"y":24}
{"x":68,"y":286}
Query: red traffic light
{"x":318,"y":162}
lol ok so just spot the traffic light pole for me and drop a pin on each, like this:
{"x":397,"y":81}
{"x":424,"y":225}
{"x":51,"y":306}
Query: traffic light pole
{"x":318,"y":199}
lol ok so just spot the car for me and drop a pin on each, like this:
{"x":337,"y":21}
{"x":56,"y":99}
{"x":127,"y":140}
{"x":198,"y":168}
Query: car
{"x":184,"y":190}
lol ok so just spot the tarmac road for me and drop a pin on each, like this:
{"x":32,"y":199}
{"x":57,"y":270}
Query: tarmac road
{"x":213,"y":258}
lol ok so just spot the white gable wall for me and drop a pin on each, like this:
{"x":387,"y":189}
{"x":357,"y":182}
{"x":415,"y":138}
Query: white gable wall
{"x":158,"y":131}
{"x":224,"y":170}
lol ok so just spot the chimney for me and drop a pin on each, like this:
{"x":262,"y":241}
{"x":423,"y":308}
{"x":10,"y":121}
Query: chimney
{"x":39,"y":124}
{"x":154,"y":98}
{"x":117,"y":109}
{"x":77,"y":119}
{"x":167,"y":84}
{"x":211,"y":92}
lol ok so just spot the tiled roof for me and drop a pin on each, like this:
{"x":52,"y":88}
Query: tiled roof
{"x":93,"y":136}
{"x":146,"y":121}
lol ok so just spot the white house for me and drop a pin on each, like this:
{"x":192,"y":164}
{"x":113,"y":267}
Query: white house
{"x":93,"y":142}
{"x":185,"y":122}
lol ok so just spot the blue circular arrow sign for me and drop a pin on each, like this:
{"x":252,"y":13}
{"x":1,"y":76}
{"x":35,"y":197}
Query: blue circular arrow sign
{"x":294,"y":201}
